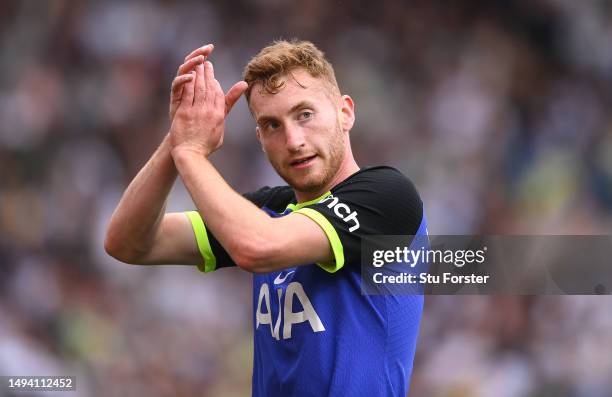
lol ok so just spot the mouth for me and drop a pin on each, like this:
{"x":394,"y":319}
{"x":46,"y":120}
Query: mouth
{"x":303,"y":162}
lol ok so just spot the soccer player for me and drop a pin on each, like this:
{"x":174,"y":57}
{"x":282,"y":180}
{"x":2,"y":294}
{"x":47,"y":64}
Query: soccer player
{"x":315,"y":333}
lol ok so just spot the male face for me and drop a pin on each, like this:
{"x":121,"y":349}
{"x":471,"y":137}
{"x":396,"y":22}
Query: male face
{"x":299,"y":130}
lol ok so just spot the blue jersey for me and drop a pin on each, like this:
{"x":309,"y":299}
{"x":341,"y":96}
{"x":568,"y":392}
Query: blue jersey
{"x":316,"y":333}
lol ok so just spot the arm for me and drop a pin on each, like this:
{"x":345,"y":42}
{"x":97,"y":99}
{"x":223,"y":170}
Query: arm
{"x":255,"y":241}
{"x":139,"y":230}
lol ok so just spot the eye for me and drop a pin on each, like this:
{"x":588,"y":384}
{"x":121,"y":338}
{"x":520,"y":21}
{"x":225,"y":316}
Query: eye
{"x":270,"y":125}
{"x":305,"y":115}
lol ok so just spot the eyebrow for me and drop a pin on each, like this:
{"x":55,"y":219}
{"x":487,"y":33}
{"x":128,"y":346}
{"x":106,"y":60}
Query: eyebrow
{"x":299,"y":105}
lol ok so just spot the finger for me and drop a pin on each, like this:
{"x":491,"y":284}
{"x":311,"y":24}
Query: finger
{"x":204,"y":51}
{"x":188,"y":92}
{"x":189,"y":65}
{"x":200,"y":85}
{"x":234,"y":94}
{"x":177,"y":85}
{"x":219,"y":97}
{"x":209,"y":76}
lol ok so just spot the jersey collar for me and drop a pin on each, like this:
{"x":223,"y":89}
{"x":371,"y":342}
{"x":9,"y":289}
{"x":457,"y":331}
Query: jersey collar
{"x":295,"y":207}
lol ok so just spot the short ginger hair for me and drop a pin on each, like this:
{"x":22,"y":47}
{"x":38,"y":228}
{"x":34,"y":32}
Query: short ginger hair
{"x":280,"y":58}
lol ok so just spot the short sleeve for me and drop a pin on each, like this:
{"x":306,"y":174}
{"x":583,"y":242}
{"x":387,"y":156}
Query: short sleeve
{"x":213,"y":254}
{"x":377,"y":201}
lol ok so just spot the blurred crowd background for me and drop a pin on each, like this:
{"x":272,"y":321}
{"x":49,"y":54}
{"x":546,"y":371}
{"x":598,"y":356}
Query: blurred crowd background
{"x":499,"y":111}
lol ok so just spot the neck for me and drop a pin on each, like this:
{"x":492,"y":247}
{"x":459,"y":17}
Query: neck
{"x":347,"y":168}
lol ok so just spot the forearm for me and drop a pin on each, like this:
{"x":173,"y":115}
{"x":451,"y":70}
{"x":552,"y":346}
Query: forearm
{"x":236,"y":222}
{"x":136,"y":220}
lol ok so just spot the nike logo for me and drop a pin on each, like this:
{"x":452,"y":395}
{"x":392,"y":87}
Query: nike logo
{"x":280,"y":279}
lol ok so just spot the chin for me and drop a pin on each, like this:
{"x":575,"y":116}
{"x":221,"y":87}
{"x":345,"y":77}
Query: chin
{"x":306,"y":183}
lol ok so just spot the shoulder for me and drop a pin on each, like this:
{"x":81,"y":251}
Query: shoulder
{"x":382,"y":197}
{"x":380,"y":182}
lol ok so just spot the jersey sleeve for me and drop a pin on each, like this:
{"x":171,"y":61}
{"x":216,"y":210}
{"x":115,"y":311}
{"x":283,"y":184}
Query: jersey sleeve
{"x":213,"y":254}
{"x":381,"y":201}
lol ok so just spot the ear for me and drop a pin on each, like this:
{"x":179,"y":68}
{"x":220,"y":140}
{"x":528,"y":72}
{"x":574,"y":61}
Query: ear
{"x":258,"y":132}
{"x":347,"y":113}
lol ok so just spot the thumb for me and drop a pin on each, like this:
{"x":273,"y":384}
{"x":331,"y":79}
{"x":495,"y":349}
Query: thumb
{"x":233,"y":94}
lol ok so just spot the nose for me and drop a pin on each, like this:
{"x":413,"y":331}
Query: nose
{"x":295,"y":138}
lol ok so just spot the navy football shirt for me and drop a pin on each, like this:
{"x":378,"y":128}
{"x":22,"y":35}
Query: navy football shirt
{"x":315,"y":333}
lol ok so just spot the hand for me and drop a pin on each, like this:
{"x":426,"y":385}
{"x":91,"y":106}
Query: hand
{"x":198,"y":124}
{"x":183,"y":75}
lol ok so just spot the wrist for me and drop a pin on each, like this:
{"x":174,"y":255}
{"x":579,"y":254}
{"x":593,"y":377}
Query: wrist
{"x":166,"y":143}
{"x":188,"y":151}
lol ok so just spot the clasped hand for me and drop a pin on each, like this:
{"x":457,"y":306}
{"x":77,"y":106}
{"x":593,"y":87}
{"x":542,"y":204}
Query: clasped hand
{"x":198,"y":106}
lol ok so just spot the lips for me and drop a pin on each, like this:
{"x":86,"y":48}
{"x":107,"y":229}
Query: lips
{"x":302,"y":161}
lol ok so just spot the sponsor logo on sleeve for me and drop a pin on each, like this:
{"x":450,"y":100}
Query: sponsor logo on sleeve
{"x":342,"y":211}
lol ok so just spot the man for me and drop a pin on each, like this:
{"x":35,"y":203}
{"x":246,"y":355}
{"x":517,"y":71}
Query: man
{"x":315,"y":333}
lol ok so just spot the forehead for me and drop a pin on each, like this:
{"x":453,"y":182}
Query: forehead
{"x":298,"y":86}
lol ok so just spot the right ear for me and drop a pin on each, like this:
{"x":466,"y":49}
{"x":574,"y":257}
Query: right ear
{"x":347,"y":113}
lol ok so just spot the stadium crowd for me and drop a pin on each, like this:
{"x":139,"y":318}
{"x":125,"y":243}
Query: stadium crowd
{"x":499,"y":111}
